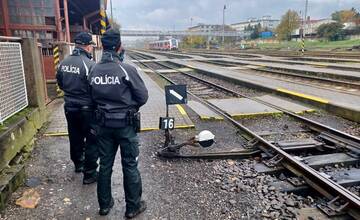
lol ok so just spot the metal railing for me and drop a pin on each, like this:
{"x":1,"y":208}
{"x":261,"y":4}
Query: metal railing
{"x":13,"y":95}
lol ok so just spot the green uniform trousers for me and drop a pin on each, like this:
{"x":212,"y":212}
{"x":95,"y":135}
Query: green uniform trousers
{"x":109,"y":140}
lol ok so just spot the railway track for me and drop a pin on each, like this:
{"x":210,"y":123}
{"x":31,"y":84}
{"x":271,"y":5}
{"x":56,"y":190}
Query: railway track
{"x":288,"y":54}
{"x":300,"y":77}
{"x":349,"y":55}
{"x":328,"y":82}
{"x":283,"y":154}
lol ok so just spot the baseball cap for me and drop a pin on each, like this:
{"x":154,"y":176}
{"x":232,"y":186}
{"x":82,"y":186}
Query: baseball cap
{"x":84,"y":38}
{"x":111,"y":39}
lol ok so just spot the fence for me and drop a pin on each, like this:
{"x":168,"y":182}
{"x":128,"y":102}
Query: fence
{"x":13,"y":96}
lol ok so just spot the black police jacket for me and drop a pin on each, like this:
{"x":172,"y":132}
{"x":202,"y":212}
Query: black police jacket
{"x":116,"y":87}
{"x":72,"y":76}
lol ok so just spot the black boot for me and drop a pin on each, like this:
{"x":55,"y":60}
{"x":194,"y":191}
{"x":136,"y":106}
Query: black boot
{"x":106,"y":211}
{"x":90,"y":178}
{"x":133,"y":214}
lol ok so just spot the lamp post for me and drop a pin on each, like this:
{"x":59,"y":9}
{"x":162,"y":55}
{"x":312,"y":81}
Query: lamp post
{"x":223,"y":30}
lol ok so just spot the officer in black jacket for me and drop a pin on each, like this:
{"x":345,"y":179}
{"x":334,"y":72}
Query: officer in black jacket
{"x":118,"y":92}
{"x":72,"y":78}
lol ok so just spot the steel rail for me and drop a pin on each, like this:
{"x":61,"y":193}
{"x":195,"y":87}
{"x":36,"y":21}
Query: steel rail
{"x":286,"y":72}
{"x":295,"y":75}
{"x":355,"y":141}
{"x":319,"y":127}
{"x":323,"y":185}
{"x":351,"y":58}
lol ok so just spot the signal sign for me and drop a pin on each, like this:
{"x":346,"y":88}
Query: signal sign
{"x":176,"y":94}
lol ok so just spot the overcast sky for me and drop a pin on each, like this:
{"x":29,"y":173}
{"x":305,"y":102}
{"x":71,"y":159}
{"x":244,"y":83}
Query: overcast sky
{"x":176,"y":14}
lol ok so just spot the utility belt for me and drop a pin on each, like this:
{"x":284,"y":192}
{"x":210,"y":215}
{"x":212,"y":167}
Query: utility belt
{"x":118,"y":120}
{"x":76,"y":108}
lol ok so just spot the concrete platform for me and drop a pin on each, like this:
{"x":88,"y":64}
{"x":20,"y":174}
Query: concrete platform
{"x":316,"y":69}
{"x":242,"y":107}
{"x":58,"y":124}
{"x":336,"y":70}
{"x":282,"y":103}
{"x":204,"y":112}
{"x":342,"y":104}
{"x":147,"y":70}
{"x":351,"y":67}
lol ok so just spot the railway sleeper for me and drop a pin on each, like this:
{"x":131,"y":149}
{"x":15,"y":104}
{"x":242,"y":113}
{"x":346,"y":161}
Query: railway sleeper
{"x":316,"y":162}
{"x":291,"y":184}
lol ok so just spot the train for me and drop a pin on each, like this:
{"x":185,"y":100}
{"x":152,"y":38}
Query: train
{"x":170,"y":44}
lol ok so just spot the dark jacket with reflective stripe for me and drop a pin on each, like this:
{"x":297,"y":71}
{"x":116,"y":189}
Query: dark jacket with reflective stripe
{"x":116,"y":87}
{"x":72,"y":76}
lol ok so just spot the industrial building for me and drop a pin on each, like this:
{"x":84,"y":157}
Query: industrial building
{"x":49,"y":20}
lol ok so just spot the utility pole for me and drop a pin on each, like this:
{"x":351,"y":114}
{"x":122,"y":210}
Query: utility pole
{"x":306,"y":11}
{"x":191,"y":24}
{"x":304,"y":28}
{"x":111,"y":8}
{"x":223,"y":34}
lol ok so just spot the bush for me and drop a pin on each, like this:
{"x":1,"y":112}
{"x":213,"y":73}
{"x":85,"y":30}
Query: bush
{"x":332,"y":31}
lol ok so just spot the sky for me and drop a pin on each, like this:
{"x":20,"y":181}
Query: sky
{"x":177,"y":14}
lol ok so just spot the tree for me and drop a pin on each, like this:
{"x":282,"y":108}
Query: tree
{"x":289,"y":22}
{"x":194,"y":41}
{"x":332,"y":31}
{"x":345,"y":15}
{"x":255,"y":32}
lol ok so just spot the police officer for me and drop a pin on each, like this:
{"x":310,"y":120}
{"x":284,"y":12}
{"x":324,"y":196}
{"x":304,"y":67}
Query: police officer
{"x":72,"y":78}
{"x":118,"y":92}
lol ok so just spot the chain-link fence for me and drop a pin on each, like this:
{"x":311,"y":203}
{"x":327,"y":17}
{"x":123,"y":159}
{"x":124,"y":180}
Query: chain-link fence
{"x":13,"y":96}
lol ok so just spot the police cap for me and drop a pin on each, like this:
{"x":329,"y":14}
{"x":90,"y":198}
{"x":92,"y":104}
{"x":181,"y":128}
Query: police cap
{"x":111,"y":39}
{"x":84,"y":38}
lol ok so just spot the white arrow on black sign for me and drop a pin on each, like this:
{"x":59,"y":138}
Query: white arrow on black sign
{"x":177,"y":95}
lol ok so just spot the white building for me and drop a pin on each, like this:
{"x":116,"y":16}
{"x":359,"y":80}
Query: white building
{"x":311,"y":26}
{"x":265,"y":22}
{"x":208,"y":28}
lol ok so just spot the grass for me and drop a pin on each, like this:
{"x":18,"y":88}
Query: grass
{"x":311,"y":45}
{"x":15,"y":118}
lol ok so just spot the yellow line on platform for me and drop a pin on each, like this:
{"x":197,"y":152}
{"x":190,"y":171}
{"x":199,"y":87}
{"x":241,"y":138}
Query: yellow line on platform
{"x":202,"y":117}
{"x":310,"y":110}
{"x":254,"y":114}
{"x":184,"y":126}
{"x":181,"y":109}
{"x":56,"y":134}
{"x":149,"y":129}
{"x":310,"y":97}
